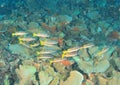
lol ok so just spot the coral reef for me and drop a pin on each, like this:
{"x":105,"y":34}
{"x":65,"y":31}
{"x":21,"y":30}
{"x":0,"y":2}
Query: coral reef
{"x":59,"y":42}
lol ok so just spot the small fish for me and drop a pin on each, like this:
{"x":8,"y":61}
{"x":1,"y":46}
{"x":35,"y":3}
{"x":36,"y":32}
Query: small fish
{"x":86,"y":46}
{"x":24,"y":44}
{"x":72,"y":54}
{"x":48,"y":42}
{"x":44,"y":57}
{"x":52,"y":47}
{"x":34,"y":45}
{"x":44,"y":35}
{"x":72,"y":49}
{"x":102,"y":51}
{"x":26,"y":39}
{"x":56,"y":60}
{"x":44,"y":44}
{"x":19,"y":34}
{"x":45,"y":52}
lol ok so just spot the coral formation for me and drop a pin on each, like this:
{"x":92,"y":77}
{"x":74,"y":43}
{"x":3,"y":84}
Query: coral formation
{"x":44,"y":77}
{"x":23,"y":51}
{"x":59,"y":42}
{"x":26,"y":75}
{"x":75,"y":78}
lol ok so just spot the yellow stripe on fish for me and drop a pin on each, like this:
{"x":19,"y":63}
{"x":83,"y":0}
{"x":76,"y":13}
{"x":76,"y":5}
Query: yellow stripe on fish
{"x":34,"y":45}
{"x":86,"y":46}
{"x":44,"y":35}
{"x":73,"y":49}
{"x":24,"y":44}
{"x":72,"y":54}
{"x":26,"y":39}
{"x":102,"y":51}
{"x":44,"y":56}
{"x":69,"y":51}
{"x":52,"y":47}
{"x":48,"y":42}
{"x":56,"y":60}
{"x":19,"y":34}
{"x":45,"y":52}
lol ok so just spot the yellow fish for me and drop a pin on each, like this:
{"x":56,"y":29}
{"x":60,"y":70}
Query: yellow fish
{"x":34,"y":45}
{"x":56,"y":60}
{"x":26,"y":39}
{"x":45,"y":52}
{"x":24,"y":44}
{"x":72,"y":54}
{"x":44,"y":57}
{"x":51,"y":47}
{"x":86,"y":46}
{"x":19,"y":33}
{"x":70,"y":51}
{"x":73,"y":49}
{"x":44,"y":35}
{"x":48,"y":42}
{"x":102,"y":51}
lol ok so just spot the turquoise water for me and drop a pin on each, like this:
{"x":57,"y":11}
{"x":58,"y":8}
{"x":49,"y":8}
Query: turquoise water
{"x":59,"y":42}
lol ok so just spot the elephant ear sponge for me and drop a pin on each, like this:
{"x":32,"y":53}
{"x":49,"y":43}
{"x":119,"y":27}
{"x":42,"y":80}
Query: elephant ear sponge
{"x":75,"y":78}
